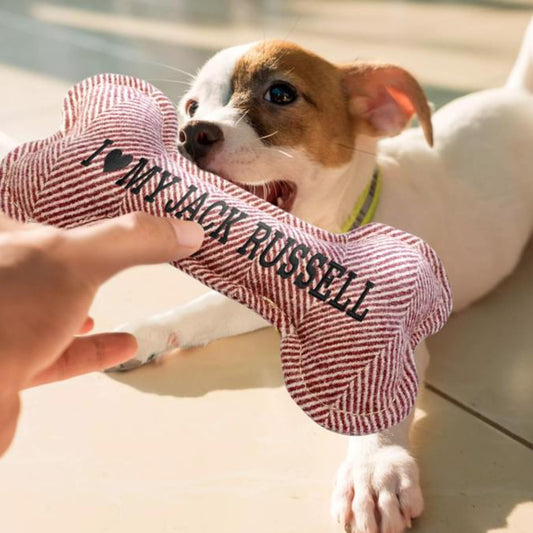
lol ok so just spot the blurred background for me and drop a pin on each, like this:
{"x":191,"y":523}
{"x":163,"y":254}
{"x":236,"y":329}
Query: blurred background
{"x":453,"y":46}
{"x":210,"y":440}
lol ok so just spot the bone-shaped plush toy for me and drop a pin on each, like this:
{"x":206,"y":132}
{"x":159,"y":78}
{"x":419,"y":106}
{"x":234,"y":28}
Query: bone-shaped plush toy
{"x":350,"y":308}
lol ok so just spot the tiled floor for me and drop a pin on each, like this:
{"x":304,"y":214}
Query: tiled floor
{"x":210,"y":440}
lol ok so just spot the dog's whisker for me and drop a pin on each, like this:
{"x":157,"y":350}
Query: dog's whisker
{"x":355,"y":149}
{"x":285,"y":153}
{"x":267,"y":136}
{"x":270,"y":187}
{"x":293,"y":27}
{"x":276,"y":150}
{"x":253,"y":142}
{"x":241,"y":117}
{"x":176,"y":69}
{"x":182,"y":82}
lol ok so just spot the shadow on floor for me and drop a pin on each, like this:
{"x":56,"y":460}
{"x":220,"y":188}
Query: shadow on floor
{"x":467,"y":488}
{"x":483,"y":355}
{"x":442,"y":443}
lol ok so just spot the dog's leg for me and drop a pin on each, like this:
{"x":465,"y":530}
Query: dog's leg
{"x":377,"y":487}
{"x":205,"y":319}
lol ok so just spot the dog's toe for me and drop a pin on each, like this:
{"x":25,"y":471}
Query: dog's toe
{"x":153,"y":341}
{"x":378,"y":493}
{"x":131,"y":364}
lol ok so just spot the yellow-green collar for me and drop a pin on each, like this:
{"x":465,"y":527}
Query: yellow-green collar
{"x":365,"y":207}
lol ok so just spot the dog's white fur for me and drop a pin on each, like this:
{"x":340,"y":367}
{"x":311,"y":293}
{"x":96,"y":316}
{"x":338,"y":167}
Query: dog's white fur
{"x":470,"y":197}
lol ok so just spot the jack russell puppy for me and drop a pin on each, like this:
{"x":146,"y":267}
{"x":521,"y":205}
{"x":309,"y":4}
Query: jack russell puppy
{"x":316,"y":139}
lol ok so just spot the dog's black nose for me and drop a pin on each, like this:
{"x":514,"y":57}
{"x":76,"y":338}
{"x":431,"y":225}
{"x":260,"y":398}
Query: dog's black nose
{"x":199,"y":137}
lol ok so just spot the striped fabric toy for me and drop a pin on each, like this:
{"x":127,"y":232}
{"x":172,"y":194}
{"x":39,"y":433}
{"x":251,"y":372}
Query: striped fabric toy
{"x":350,"y":307}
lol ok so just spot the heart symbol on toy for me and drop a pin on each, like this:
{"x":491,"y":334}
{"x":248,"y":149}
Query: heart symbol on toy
{"x":116,"y":160}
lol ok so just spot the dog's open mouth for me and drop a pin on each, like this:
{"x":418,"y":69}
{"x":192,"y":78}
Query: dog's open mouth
{"x":279,"y":193}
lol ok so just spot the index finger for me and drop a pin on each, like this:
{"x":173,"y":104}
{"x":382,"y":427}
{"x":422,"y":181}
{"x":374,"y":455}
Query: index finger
{"x":105,"y":248}
{"x":88,"y":354}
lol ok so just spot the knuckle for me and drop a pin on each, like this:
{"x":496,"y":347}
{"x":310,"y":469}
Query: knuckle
{"x":40,"y":246}
{"x":99,"y":352}
{"x":51,"y":240}
{"x":139,"y":222}
{"x":64,"y":362}
{"x":54,"y":253}
{"x":147,"y":228}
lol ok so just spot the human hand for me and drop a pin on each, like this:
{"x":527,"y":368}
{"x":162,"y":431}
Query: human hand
{"x":48,"y":279}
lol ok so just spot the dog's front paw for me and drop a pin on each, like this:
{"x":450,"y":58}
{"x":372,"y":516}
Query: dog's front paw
{"x":153,"y":341}
{"x":377,"y":492}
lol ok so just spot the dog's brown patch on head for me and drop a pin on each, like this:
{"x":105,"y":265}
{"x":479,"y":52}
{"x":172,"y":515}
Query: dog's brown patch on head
{"x":318,"y":120}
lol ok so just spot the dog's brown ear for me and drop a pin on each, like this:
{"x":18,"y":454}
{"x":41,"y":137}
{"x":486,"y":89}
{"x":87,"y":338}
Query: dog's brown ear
{"x":386,"y":97}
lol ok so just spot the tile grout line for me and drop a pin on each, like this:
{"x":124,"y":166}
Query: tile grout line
{"x":479,"y":416}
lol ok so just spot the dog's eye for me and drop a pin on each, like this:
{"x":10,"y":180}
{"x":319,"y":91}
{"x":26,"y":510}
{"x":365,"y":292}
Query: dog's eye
{"x":281,"y":93}
{"x":191,"y":107}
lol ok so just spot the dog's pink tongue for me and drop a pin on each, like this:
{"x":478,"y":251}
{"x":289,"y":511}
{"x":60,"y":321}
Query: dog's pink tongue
{"x":278,"y":193}
{"x":269,"y":191}
{"x":286,"y":196}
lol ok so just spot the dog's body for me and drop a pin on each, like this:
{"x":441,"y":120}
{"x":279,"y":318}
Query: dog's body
{"x":470,"y":197}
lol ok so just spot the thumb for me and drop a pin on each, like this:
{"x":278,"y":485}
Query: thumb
{"x":105,"y":248}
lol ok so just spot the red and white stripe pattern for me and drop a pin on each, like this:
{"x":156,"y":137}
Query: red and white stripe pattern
{"x":350,"y":377}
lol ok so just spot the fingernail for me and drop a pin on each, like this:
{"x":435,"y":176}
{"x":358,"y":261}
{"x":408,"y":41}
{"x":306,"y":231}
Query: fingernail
{"x":189,"y":234}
